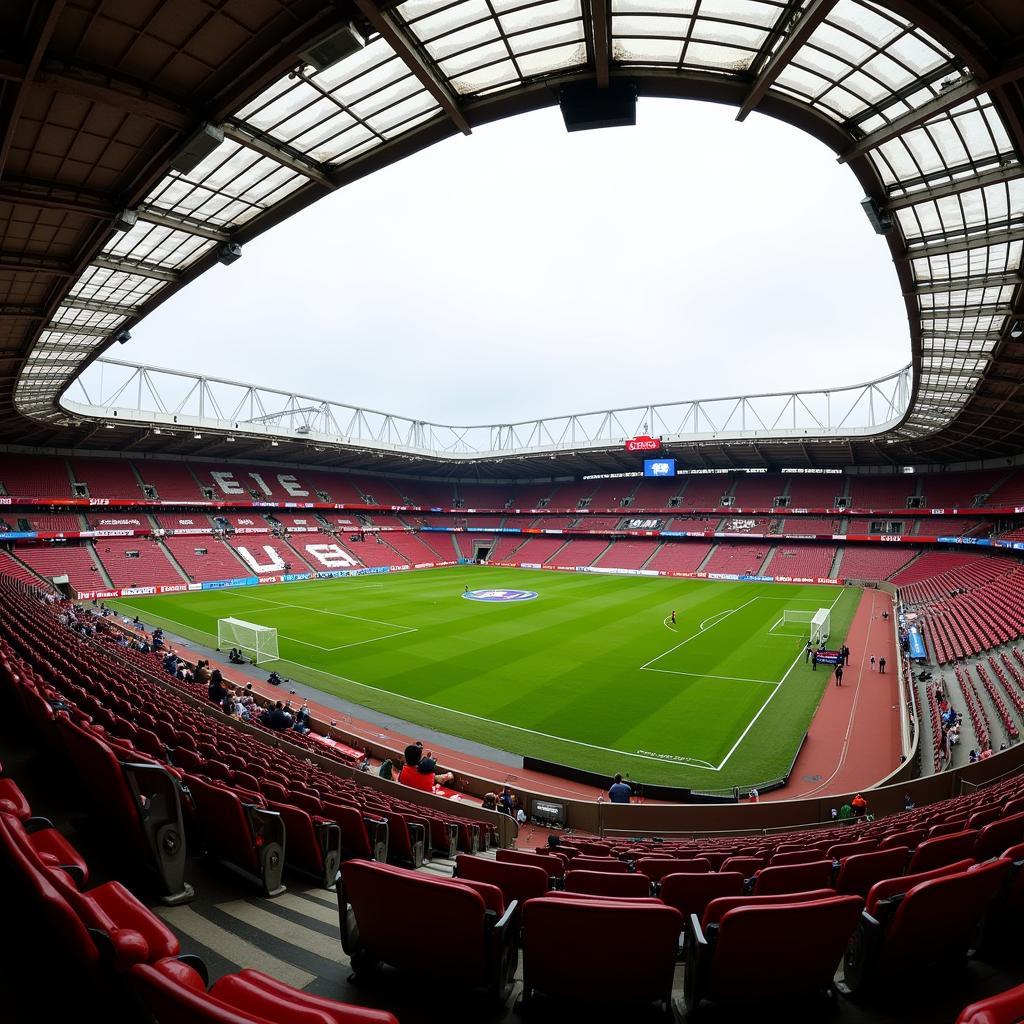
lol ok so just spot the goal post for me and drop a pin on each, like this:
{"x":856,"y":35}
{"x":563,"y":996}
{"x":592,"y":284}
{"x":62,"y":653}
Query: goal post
{"x":258,"y":642}
{"x":821,"y":625}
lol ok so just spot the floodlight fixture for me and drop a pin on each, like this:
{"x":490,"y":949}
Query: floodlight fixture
{"x":881,"y":220}
{"x":228,"y":252}
{"x":125,"y":220}
{"x":123,"y":336}
{"x":1017,"y":330}
{"x":199,"y":145}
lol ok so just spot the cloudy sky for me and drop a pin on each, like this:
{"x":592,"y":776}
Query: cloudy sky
{"x":524,"y":271}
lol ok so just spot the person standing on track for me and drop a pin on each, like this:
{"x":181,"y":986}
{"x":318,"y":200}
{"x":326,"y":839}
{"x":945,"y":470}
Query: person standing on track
{"x":839,"y":674}
{"x":881,"y":666}
{"x":872,"y":663}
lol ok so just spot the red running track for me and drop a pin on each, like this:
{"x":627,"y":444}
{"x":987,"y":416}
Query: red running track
{"x":854,"y":739}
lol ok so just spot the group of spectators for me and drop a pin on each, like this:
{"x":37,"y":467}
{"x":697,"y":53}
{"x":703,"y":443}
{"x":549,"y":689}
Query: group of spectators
{"x":949,"y":722}
{"x":506,"y":802}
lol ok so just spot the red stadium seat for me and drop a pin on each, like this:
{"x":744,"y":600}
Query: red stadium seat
{"x":1005,"y":1008}
{"x":554,"y":866}
{"x":383,"y":910}
{"x":932,"y":923}
{"x":769,"y":951}
{"x":997,"y":836}
{"x":690,"y":893}
{"x":314,"y":845}
{"x":935,"y":853}
{"x":362,"y":835}
{"x":174,"y":993}
{"x":790,"y":878}
{"x":860,"y":871}
{"x":655,"y":868}
{"x":246,"y":838}
{"x":518,"y":882}
{"x":605,"y":883}
{"x":607,"y":864}
{"x":566,"y":940}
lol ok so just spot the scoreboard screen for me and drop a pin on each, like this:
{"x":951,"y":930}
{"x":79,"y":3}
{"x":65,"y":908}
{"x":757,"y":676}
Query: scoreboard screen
{"x":659,"y":467}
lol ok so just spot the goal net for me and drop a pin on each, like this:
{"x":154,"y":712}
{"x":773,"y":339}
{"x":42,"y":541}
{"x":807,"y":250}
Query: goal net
{"x":259,"y":643}
{"x":821,"y":625}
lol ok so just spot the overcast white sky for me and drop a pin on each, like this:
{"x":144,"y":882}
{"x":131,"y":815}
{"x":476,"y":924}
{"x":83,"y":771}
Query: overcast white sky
{"x":524,"y":271}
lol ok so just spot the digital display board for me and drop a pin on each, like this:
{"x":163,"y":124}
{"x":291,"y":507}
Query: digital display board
{"x":659,"y":467}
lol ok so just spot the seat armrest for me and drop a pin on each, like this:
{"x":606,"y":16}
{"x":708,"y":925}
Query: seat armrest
{"x":503,"y":952}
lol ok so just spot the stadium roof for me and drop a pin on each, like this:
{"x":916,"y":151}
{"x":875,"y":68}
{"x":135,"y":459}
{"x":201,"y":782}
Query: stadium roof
{"x":922,"y":100}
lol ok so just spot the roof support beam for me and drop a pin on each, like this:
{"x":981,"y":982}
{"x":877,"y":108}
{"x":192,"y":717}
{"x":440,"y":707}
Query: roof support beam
{"x":136,"y":267}
{"x":963,"y":91}
{"x":259,"y":142}
{"x":56,"y":327}
{"x":95,"y":306}
{"x":962,"y":284}
{"x":120,"y":94}
{"x":956,"y":312}
{"x":180,"y":223}
{"x":20,"y":263}
{"x":20,"y":313}
{"x":10,"y":110}
{"x":943,"y":248}
{"x":814,"y":14}
{"x":999,"y":176}
{"x":601,"y":24}
{"x":48,"y":197}
{"x":395,"y":36}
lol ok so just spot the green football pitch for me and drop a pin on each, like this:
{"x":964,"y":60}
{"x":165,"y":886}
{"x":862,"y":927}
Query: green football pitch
{"x":590,"y":673}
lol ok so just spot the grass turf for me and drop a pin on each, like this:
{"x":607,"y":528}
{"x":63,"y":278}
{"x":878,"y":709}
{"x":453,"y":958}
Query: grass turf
{"x":591,"y":673}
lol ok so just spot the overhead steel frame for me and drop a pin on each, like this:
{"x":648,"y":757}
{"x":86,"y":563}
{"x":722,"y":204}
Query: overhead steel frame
{"x":157,"y":398}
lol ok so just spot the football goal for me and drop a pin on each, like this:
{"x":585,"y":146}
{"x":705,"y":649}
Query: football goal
{"x":813,"y":625}
{"x":258,"y":643}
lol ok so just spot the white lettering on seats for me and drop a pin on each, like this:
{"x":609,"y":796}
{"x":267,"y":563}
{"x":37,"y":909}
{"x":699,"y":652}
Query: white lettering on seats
{"x":262,"y":485}
{"x":276,"y":563}
{"x":331,"y":556}
{"x":226,"y":482}
{"x":291,"y":485}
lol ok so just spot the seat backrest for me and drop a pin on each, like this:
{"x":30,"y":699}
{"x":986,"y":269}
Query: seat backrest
{"x":554,"y":866}
{"x":355,"y":841}
{"x":887,"y":888}
{"x":858,"y":872}
{"x":690,"y":893}
{"x":934,"y":853}
{"x":609,"y":864}
{"x":808,"y":856}
{"x":789,"y":948}
{"x":392,"y":906}
{"x":655,"y":868}
{"x":565,"y":940}
{"x":793,"y":878}
{"x":747,"y":866}
{"x":718,"y":908}
{"x":603,"y":883}
{"x":998,"y":835}
{"x":909,"y":838}
{"x":955,"y":901}
{"x":519,"y":882}
{"x":1004,"y":1008}
{"x":840,"y":850}
{"x":224,"y":823}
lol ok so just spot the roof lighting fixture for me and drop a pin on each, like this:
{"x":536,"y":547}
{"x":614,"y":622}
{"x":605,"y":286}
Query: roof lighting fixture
{"x":123,"y":337}
{"x":228,"y":252}
{"x":273,"y":444}
{"x":881,"y":220}
{"x":198,"y":437}
{"x":199,"y":145}
{"x":1017,"y":330}
{"x":157,"y":430}
{"x":125,"y":220}
{"x":231,"y":439}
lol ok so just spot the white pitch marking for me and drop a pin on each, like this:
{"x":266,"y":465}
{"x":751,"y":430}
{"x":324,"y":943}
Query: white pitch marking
{"x":731,"y":611}
{"x":324,"y":611}
{"x":778,"y":687}
{"x":705,"y":675}
{"x":341,"y":647}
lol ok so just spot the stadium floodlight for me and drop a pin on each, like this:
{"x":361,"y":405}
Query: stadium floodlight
{"x":228,"y":252}
{"x":258,"y":642}
{"x":125,"y":220}
{"x":199,"y":145}
{"x":1017,"y":330}
{"x":335,"y":48}
{"x":881,"y":220}
{"x":123,"y":337}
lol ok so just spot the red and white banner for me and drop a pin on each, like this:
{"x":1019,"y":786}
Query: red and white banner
{"x":643,"y":443}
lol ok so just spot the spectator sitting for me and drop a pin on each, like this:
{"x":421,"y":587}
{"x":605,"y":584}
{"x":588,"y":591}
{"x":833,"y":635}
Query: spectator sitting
{"x":217,"y":690}
{"x":505,"y":800}
{"x":428,"y":766}
{"x":385,"y":771}
{"x":859,"y":805}
{"x":277,"y":718}
{"x":972,"y":757}
{"x":302,"y":719}
{"x":490,"y":801}
{"x":554,"y":842}
{"x":908,"y":802}
{"x":412,"y":775}
{"x":274,"y":679}
{"x":985,"y":754}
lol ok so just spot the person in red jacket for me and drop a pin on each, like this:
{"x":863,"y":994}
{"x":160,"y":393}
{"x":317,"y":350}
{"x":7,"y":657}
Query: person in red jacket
{"x":419,"y":770}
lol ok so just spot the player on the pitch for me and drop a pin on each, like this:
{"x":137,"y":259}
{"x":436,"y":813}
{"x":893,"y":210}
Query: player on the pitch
{"x":673,"y":616}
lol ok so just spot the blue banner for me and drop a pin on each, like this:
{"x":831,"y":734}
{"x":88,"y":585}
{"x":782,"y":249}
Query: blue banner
{"x":916,"y":643}
{"x":295,"y":577}
{"x":240,"y":581}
